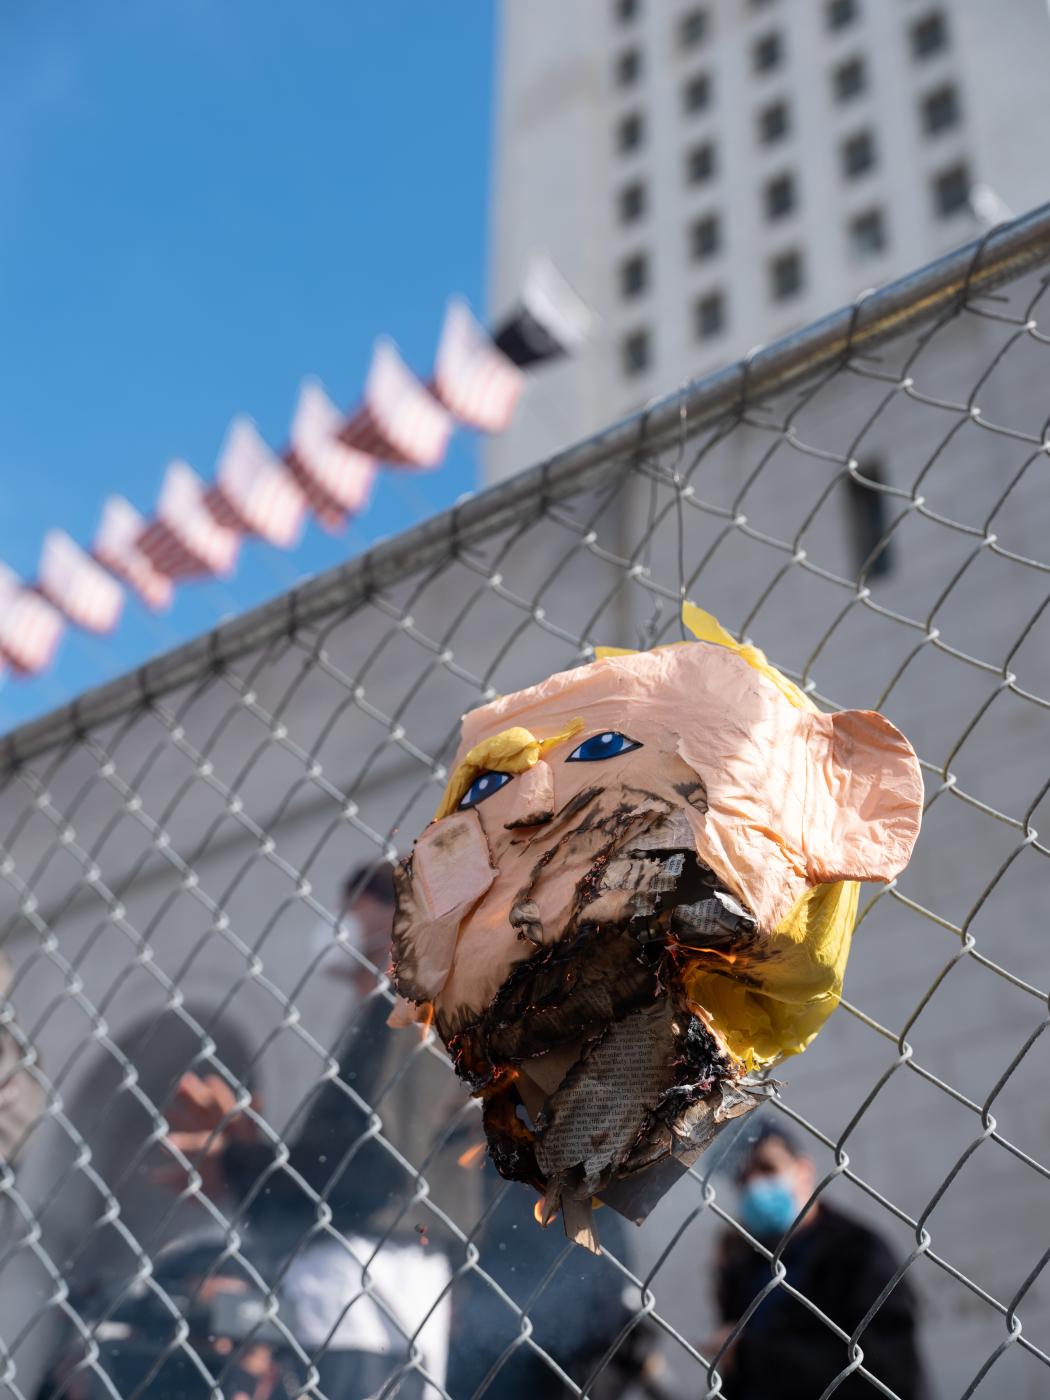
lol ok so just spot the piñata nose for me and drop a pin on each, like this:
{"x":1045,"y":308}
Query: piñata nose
{"x":533,"y":801}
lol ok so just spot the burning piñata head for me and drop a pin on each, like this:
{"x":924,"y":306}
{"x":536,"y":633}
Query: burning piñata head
{"x":639,"y":890}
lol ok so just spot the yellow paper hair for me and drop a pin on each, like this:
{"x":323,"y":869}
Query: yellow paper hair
{"x":510,"y":751}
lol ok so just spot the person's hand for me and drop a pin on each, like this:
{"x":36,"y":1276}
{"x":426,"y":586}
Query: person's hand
{"x":203,"y":1119}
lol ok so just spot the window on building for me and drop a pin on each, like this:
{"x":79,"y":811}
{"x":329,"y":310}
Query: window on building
{"x":940,"y":109}
{"x":705,"y":237}
{"x":849,"y":79}
{"x":631,"y":202}
{"x":767,"y":52}
{"x":867,"y":509}
{"x":839,"y":13}
{"x":628,"y":67}
{"x":867,"y":233}
{"x":858,"y":154}
{"x":785,"y":276}
{"x":773,"y":123}
{"x":951,"y":190}
{"x":636,"y":352}
{"x":630,"y":132}
{"x":634,"y":275}
{"x":710,"y":315}
{"x":625,"y":10}
{"x":692,"y":28}
{"x":778,"y":196}
{"x":696,"y":92}
{"x":929,"y":35}
{"x":700,"y":163}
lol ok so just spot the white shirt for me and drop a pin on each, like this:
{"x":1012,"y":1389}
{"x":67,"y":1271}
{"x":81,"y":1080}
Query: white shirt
{"x":351,"y":1299}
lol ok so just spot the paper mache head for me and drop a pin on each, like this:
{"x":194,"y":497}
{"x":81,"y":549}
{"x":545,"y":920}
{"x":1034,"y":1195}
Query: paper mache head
{"x":638,"y":893}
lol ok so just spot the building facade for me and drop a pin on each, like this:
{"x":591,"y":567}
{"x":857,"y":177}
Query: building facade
{"x":710,"y":176}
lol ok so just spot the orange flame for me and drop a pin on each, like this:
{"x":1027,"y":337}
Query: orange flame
{"x":426,"y":1019}
{"x":472,"y":1155}
{"x":537,"y":1211}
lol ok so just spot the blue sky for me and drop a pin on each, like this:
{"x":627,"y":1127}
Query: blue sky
{"x":201,"y":204}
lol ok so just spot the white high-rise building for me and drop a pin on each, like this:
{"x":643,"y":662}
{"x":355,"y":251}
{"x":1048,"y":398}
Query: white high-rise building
{"x":711,"y":175}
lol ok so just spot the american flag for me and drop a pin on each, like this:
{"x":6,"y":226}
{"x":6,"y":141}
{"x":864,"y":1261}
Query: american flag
{"x":115,"y":547}
{"x":330,"y":467}
{"x":400,"y":420}
{"x":255,"y":493}
{"x":29,"y":626}
{"x":336,"y":479}
{"x":472,"y":378}
{"x":78,"y":585}
{"x":185,"y":540}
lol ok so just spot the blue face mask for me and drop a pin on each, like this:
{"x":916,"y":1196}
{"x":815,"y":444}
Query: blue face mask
{"x":768,"y":1206}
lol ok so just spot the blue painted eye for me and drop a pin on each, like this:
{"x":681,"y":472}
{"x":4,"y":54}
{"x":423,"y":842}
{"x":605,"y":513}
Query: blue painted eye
{"x":484,"y":785}
{"x":608,"y":745}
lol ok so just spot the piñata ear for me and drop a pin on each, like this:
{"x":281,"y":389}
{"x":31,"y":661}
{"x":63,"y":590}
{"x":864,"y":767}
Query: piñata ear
{"x":448,"y":873}
{"x":864,"y":803}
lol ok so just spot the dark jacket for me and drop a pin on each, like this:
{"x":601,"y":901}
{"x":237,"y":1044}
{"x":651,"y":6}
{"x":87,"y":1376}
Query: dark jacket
{"x":421,"y":1105}
{"x":787,"y":1353}
{"x":574,"y":1302}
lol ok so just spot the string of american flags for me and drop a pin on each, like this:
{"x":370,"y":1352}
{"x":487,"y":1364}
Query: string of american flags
{"x":328,"y":468}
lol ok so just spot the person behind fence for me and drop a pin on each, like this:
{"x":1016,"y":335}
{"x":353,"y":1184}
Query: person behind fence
{"x":223,"y":1331}
{"x":575,"y":1305}
{"x":363,"y":1286}
{"x":785,"y":1351}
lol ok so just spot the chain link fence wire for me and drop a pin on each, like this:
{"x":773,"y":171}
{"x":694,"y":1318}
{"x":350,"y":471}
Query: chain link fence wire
{"x":868,"y":501}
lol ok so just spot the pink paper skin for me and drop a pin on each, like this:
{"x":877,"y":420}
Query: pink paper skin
{"x":451,"y":863}
{"x":534,"y":800}
{"x":450,"y":873}
{"x":790,"y":798}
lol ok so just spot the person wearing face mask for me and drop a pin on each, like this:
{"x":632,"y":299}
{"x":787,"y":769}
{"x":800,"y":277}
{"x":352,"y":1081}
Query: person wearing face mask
{"x":785,"y":1351}
{"x":380,"y":1274}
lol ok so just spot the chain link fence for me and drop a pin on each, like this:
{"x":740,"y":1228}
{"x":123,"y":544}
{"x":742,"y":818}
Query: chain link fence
{"x":867,"y":501}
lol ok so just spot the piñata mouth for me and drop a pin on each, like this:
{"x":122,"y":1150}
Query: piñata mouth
{"x":642,"y":904}
{"x":676,"y":897}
